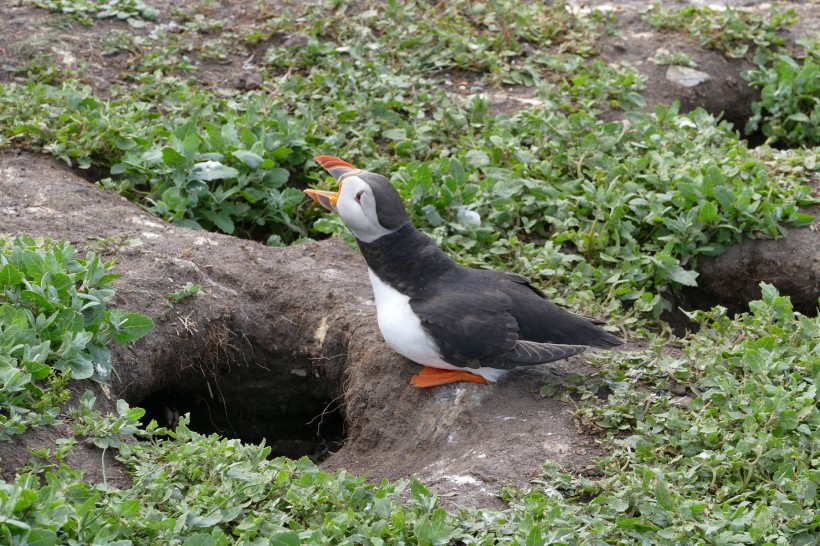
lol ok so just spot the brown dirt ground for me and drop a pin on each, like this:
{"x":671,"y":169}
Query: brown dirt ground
{"x":261,"y":348}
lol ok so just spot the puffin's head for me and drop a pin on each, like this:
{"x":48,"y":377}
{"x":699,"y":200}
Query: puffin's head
{"x":367,"y":202}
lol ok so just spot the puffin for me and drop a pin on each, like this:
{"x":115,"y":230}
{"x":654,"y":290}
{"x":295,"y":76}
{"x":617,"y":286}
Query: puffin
{"x":460,"y":323}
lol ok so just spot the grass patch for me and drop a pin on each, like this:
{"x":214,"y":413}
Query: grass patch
{"x":730,"y":31}
{"x":736,"y":464}
{"x":54,"y":325}
{"x":136,"y":12}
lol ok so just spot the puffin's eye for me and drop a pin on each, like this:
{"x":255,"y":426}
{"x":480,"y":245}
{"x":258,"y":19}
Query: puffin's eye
{"x":358,"y":197}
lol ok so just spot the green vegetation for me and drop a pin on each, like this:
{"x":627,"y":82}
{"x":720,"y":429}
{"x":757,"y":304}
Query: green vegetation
{"x":788,"y":112}
{"x":731,"y":31}
{"x":614,"y":212}
{"x":134,"y":11}
{"x":606,"y":216}
{"x":188,"y":291}
{"x":789,"y":107}
{"x":735,"y":465}
{"x":680,"y":58}
{"x":54,"y":325}
{"x":205,"y":159}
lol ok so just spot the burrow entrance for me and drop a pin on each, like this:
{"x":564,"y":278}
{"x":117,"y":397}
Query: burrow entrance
{"x":292,"y":403}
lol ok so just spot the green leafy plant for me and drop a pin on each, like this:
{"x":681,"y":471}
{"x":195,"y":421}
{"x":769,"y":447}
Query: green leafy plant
{"x":134,"y":11}
{"x":54,"y":324}
{"x":728,"y":30}
{"x":734,"y":457}
{"x":788,"y":111}
{"x":188,"y":291}
{"x":679,"y":58}
{"x":220,"y":177}
{"x":110,"y":430}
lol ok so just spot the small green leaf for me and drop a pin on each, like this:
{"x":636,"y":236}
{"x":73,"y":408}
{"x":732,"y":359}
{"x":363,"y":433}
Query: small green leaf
{"x":10,"y":276}
{"x":173,"y":158}
{"x":662,"y":494}
{"x":285,"y":538}
{"x":39,"y":536}
{"x":211,"y":170}
{"x":278,"y":176}
{"x":477,"y":158}
{"x":250,"y":159}
{"x":708,"y":213}
{"x":37,"y":370}
{"x":683,"y":276}
{"x":221,"y":220}
{"x":35,"y":264}
{"x":81,"y":367}
{"x":458,"y":174}
{"x":130,"y":326}
{"x":395,"y":134}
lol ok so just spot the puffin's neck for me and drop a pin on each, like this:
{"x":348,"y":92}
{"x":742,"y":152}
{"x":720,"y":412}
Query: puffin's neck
{"x":406,"y":259}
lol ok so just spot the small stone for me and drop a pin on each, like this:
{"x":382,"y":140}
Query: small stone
{"x":249,"y":81}
{"x":676,"y":388}
{"x":296,"y":39}
{"x":685,"y":76}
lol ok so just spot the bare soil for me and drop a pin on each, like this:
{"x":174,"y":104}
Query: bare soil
{"x":282,"y":343}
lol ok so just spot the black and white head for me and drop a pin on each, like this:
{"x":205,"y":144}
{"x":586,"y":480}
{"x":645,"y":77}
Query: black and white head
{"x":367,"y":202}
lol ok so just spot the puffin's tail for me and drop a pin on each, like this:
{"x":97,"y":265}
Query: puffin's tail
{"x":592,"y":334}
{"x":528,"y":353}
{"x":604,"y":340}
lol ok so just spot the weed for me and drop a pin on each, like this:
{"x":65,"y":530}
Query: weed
{"x":112,"y":244}
{"x":678,"y":58}
{"x":188,"y":291}
{"x":133,"y":11}
{"x":728,"y":30}
{"x":54,"y":324}
{"x":789,"y":108}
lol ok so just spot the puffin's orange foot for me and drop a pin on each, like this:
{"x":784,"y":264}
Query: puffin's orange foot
{"x":433,"y":377}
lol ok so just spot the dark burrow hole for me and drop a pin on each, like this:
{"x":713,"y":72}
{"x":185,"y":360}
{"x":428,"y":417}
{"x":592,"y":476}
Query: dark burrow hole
{"x":294,"y":407}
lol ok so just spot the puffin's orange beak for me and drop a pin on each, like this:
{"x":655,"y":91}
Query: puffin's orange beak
{"x":325,"y":198}
{"x":338,"y":168}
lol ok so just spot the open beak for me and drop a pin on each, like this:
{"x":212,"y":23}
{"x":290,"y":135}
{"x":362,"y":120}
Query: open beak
{"x":338,"y":168}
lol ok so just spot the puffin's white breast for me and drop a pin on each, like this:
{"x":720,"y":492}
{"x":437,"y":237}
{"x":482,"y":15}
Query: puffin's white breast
{"x":402,"y":330}
{"x":400,"y":326}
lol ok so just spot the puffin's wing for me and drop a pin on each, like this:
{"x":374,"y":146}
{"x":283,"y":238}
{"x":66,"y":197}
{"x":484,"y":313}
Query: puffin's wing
{"x":543,"y":321}
{"x":473,"y":327}
{"x":521,"y":279}
{"x":530,"y":352}
{"x":469,"y":323}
